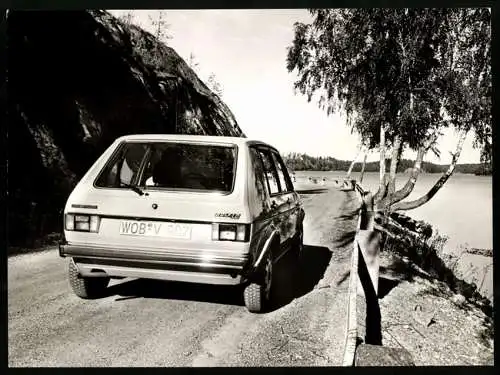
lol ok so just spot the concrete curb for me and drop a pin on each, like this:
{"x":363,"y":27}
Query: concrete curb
{"x":351,"y":335}
{"x":366,"y":354}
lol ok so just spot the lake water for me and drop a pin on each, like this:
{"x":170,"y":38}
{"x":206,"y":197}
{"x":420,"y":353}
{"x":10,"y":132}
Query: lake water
{"x":462,"y":209}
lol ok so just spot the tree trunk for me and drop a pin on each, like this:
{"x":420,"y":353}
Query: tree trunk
{"x":403,"y":206}
{"x":410,"y":184}
{"x":382,"y":159}
{"x":368,"y":218}
{"x":363,"y":167}
{"x":382,"y":186}
{"x":349,"y":171}
{"x":396,"y":156}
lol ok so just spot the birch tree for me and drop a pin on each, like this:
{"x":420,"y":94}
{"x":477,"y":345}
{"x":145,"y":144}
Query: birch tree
{"x":401,"y":76}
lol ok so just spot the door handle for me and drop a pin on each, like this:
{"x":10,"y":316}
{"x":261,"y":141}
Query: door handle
{"x":289,"y":200}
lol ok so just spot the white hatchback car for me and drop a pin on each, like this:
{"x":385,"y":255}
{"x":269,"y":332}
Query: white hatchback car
{"x":203,"y":209}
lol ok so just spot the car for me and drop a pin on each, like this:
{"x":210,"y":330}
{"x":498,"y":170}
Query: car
{"x":187,"y":208}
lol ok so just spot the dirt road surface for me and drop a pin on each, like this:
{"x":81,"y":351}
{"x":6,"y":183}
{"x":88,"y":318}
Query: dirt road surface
{"x":152,"y":323}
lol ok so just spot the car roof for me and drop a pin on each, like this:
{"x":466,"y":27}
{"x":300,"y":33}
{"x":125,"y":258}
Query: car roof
{"x":239,"y":141}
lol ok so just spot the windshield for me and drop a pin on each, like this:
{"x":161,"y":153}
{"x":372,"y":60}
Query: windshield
{"x":169,"y":165}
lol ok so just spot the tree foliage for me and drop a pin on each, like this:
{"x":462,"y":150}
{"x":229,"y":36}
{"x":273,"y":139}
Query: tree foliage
{"x":192,"y":62}
{"x":160,"y":26}
{"x":398,"y":67}
{"x":127,"y":18}
{"x":409,"y":73}
{"x":214,"y":84}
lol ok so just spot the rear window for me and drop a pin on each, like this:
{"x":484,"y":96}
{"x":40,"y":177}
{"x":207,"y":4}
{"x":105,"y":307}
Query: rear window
{"x":168,"y":165}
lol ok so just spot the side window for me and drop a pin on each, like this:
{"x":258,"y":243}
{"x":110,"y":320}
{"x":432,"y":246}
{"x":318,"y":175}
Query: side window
{"x":286,"y":184}
{"x":270,"y":172}
{"x":125,"y":166}
{"x":260,"y":178}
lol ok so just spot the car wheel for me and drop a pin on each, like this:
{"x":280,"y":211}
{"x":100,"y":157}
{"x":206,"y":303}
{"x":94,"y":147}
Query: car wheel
{"x":86,"y":287}
{"x":257,"y":296}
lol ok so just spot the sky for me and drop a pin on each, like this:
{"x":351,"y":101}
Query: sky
{"x":246,"y":50}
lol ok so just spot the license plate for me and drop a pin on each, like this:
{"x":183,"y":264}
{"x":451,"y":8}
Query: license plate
{"x":155,"y":229}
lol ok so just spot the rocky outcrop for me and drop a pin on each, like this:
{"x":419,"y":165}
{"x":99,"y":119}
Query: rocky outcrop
{"x":76,"y":81}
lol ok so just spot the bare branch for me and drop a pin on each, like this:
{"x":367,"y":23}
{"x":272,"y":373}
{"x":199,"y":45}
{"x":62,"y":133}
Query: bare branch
{"x":402,"y":206}
{"x":415,"y":172}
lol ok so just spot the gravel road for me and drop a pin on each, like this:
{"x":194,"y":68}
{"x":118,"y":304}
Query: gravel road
{"x":152,"y":323}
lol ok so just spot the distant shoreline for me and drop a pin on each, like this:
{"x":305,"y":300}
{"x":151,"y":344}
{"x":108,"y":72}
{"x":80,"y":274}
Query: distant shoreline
{"x":399,"y":173}
{"x":304,"y":162}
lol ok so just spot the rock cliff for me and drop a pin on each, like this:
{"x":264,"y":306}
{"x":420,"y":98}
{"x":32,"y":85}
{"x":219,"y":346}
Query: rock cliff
{"x":77,"y":80}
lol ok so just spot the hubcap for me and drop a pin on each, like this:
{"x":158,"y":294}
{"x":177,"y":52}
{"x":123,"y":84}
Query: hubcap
{"x":268,"y":277}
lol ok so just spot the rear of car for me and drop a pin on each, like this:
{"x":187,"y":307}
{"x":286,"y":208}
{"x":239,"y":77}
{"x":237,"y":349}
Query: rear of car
{"x":160,"y":207}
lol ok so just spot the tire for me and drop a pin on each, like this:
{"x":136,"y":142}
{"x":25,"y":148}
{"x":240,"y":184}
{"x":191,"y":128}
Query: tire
{"x":86,"y":287}
{"x":257,"y":296}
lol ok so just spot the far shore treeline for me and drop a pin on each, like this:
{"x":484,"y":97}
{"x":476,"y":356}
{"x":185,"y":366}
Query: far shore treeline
{"x":301,"y":162}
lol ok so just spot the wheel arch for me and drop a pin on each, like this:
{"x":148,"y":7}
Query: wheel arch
{"x":268,"y":242}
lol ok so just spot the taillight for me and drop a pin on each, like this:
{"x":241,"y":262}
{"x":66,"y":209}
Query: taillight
{"x":82,"y":222}
{"x":230,"y":232}
{"x":69,"y":222}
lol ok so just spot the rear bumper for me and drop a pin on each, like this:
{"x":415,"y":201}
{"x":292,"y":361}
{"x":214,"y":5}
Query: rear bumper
{"x":156,"y":264}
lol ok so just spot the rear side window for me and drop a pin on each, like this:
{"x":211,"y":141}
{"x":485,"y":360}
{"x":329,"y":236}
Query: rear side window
{"x":286,"y":184}
{"x":270,"y":171}
{"x":260,"y":176}
{"x":169,"y":165}
{"x":124,"y":166}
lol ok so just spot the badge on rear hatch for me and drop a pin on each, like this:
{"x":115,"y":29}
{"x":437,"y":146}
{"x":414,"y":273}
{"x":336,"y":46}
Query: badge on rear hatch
{"x":228,"y":215}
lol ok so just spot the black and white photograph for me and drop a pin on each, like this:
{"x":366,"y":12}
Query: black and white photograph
{"x":304,"y":187}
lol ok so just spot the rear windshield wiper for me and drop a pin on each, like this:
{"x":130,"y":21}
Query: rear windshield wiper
{"x":132,"y":187}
